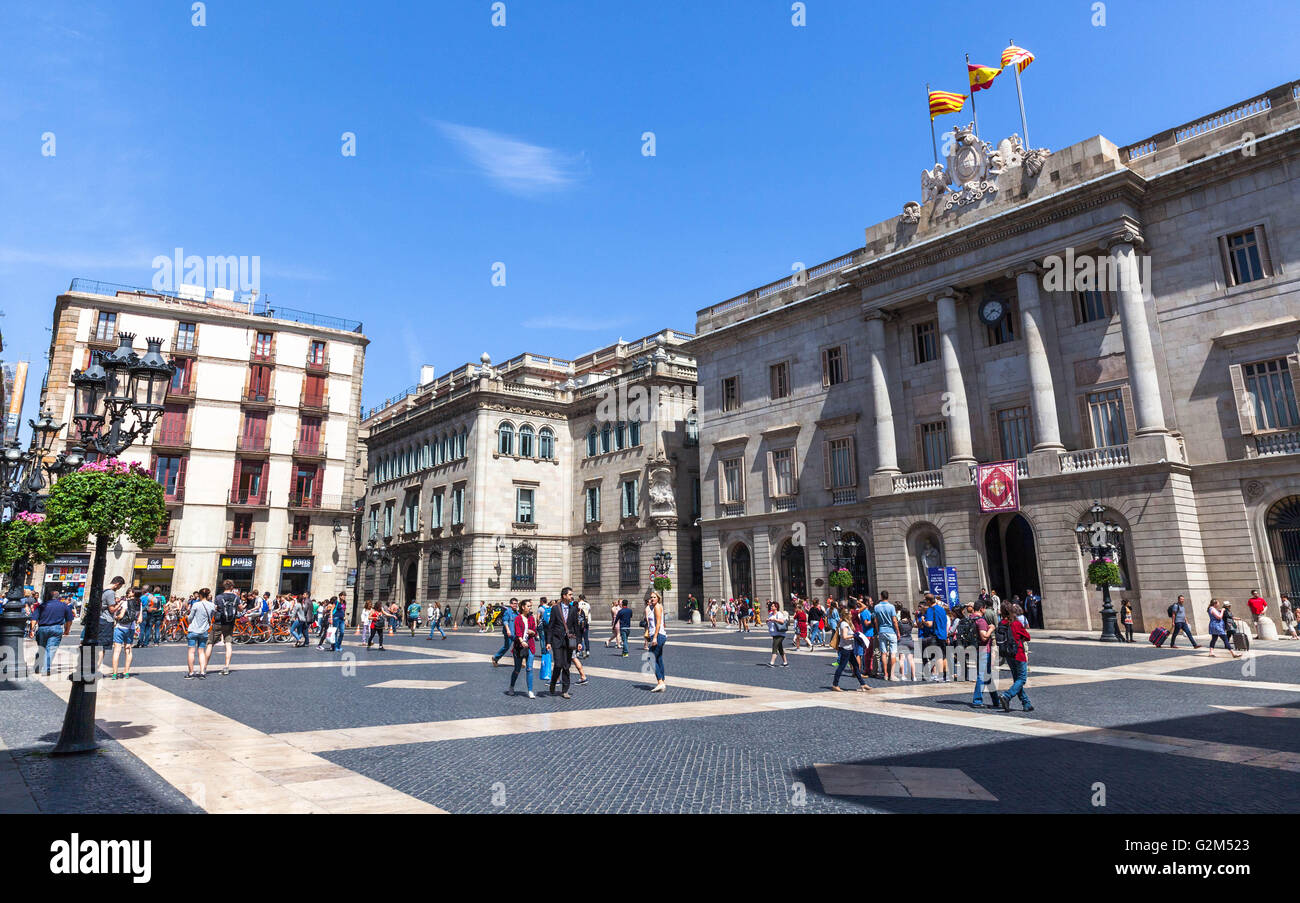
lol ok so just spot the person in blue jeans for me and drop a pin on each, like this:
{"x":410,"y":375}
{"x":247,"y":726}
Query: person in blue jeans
{"x":340,"y":609}
{"x":53,"y":620}
{"x":624,"y":622}
{"x":435,"y":621}
{"x":525,"y":646}
{"x":984,"y":673}
{"x":1178,"y":611}
{"x":1018,"y":662}
{"x":507,"y":630}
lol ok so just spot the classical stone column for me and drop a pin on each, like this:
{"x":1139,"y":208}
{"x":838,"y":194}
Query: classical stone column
{"x":1042,"y":394}
{"x":960,"y":450}
{"x":1138,"y":351}
{"x":886,"y":445}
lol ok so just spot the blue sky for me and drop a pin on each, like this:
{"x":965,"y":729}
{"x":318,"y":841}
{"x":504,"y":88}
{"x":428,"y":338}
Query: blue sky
{"x":522,"y":145}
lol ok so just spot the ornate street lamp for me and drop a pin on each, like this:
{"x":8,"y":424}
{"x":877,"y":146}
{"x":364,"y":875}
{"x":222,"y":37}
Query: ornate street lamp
{"x":838,"y":553}
{"x":1103,"y":539}
{"x":117,"y":400}
{"x":23,"y":474}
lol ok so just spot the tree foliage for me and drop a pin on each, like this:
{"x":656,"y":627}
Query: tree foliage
{"x":104,"y":498}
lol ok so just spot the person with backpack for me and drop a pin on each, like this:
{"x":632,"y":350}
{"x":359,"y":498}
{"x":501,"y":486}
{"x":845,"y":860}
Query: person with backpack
{"x":302,"y":618}
{"x":777,"y":627}
{"x":202,"y":614}
{"x":127,"y":614}
{"x":886,"y":618}
{"x":507,"y":630}
{"x":223,"y":625}
{"x":1178,"y":612}
{"x":967,"y":636}
{"x":413,"y":616}
{"x":845,"y":640}
{"x":377,"y":619}
{"x":435,"y":620}
{"x":1011,"y":637}
{"x":984,"y":673}
{"x":934,"y":649}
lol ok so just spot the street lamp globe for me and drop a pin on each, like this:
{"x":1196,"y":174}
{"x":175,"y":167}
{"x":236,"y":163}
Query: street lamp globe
{"x":89,"y":386}
{"x":117,"y":367}
{"x":150,"y":376}
{"x":44,"y":431}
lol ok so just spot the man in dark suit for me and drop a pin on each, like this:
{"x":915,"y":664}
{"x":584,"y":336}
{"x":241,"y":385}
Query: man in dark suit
{"x":562,"y":638}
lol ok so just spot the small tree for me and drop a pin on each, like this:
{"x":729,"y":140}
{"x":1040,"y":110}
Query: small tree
{"x":108,"y":499}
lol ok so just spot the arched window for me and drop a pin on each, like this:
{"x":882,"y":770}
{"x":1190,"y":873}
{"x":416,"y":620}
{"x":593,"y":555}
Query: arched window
{"x":455,"y":563}
{"x":433,"y":579}
{"x":591,"y":566}
{"x":462,"y":441}
{"x":629,"y":565}
{"x":546,"y":444}
{"x":634,"y":433}
{"x":1282,"y":525}
{"x":526,"y":441}
{"x":523,"y":566}
{"x":505,"y":439}
{"x":445,"y":448}
{"x":426,"y":459}
{"x":620,"y":435}
{"x":605,"y":437}
{"x":592,"y":447}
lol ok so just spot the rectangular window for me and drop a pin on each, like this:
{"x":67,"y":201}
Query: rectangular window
{"x":106,"y":327}
{"x":629,"y":498}
{"x":313,"y":391}
{"x":1015,"y":430}
{"x":242,"y":527}
{"x":1245,"y":256}
{"x":1090,"y":306}
{"x":435,"y":512}
{"x":411,"y":513}
{"x":181,"y":377}
{"x":167,"y":471}
{"x":733,"y":484}
{"x":783,"y":479}
{"x":591,"y":566}
{"x":388,"y":519}
{"x":925,"y":342}
{"x":259,"y":383}
{"x":779,"y":377}
{"x":301,"y":529}
{"x":316,"y":354}
{"x":304,"y":485}
{"x":171,"y":426}
{"x":833,"y":366}
{"x":253,"y":438}
{"x":1270,"y":385}
{"x":523,"y":506}
{"x":934,"y":445}
{"x":1106,"y":414}
{"x":843,"y":469}
{"x":458,"y":506}
{"x":731,"y":393}
{"x":374,"y":521}
{"x":309,"y":436}
{"x":185,"y":336}
{"x":593,"y":504}
{"x":263,"y":345}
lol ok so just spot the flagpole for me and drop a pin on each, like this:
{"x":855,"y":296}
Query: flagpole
{"x":974,"y":115}
{"x":1024,"y":123}
{"x":934,"y":142}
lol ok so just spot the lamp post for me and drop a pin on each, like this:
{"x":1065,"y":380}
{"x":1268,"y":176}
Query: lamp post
{"x":663,"y":563}
{"x":838,"y":553}
{"x":1102,"y":539}
{"x":118,"y":398}
{"x":23,"y":474}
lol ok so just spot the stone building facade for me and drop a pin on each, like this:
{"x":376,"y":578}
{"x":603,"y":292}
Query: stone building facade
{"x":516,"y":480}
{"x":863,"y":392}
{"x":255,"y":449}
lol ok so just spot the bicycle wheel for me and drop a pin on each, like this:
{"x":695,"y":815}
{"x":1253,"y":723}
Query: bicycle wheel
{"x":261,"y":634}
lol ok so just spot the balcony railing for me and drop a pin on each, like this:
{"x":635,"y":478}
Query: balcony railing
{"x":187,"y":345}
{"x":240,"y":540}
{"x":314,"y":400}
{"x":308,"y":448}
{"x":254,"y":444}
{"x":298,"y":499}
{"x":258,"y":355}
{"x":246,"y":498}
{"x":319,"y":363}
{"x":922,"y":479}
{"x":1095,"y":458}
{"x":300,"y":543}
{"x":176,"y":496}
{"x":181,"y":393}
{"x":171,"y":438}
{"x":1287,"y":443}
{"x":162,"y":541}
{"x":785,"y":503}
{"x":258,"y":397}
{"x":733,"y":509}
{"x":844,"y":496}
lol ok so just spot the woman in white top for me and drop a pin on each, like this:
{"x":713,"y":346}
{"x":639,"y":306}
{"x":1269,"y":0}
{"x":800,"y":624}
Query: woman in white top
{"x":656,"y":636}
{"x":777,"y":625}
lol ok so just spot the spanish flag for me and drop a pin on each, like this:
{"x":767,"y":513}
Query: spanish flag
{"x":1016,"y":56}
{"x":981,"y":76}
{"x":945,"y":102}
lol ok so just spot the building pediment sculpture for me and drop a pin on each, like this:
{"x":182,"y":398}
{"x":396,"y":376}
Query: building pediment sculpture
{"x":972,"y":169}
{"x":663,"y":501}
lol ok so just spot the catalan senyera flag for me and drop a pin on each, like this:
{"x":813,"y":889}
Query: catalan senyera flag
{"x":1016,"y":56}
{"x":945,"y":102}
{"x":981,"y":76}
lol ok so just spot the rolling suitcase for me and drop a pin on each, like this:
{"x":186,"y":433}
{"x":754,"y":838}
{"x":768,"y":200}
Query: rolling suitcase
{"x":1241,"y":641}
{"x":1158,"y":636}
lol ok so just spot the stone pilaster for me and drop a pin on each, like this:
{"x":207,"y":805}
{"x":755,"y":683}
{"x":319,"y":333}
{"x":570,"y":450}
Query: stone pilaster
{"x":960,"y":450}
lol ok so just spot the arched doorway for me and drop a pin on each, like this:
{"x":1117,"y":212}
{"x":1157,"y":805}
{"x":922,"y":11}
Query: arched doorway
{"x":1010,"y":556}
{"x":794,"y":572}
{"x":409,"y":582}
{"x":1282,"y":523}
{"x":859,"y":568}
{"x":742,"y":581}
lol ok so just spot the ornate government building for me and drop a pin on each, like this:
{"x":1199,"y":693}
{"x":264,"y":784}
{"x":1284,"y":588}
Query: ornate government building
{"x":1122,"y":322}
{"x":516,"y":480}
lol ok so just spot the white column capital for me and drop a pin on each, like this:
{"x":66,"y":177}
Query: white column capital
{"x":1126,"y":236}
{"x":1029,"y":267}
{"x":877,"y":313}
{"x":951,"y":293}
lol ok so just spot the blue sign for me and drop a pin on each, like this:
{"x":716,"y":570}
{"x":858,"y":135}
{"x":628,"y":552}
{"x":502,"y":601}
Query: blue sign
{"x":943,"y":584}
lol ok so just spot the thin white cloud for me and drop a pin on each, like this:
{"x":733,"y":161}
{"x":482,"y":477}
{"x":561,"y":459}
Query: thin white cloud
{"x":576,"y":324}
{"x":513,"y":165}
{"x":77,"y":263}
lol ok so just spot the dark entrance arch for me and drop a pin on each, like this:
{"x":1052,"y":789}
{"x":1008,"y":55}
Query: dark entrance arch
{"x":1011,"y":556}
{"x":1283,"y":527}
{"x":741,"y":572}
{"x":794,"y":572}
{"x":859,"y":568}
{"x":411,"y":570}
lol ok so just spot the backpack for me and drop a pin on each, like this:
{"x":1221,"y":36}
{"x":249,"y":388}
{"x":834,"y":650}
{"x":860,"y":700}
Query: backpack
{"x":1006,"y":641}
{"x":968,"y":632}
{"x":227,"y":608}
{"x":132,"y":609}
{"x":1170,"y":611}
{"x":154,"y":602}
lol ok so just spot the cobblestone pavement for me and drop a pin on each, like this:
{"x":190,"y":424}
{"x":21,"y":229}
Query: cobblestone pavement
{"x":429,"y":726}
